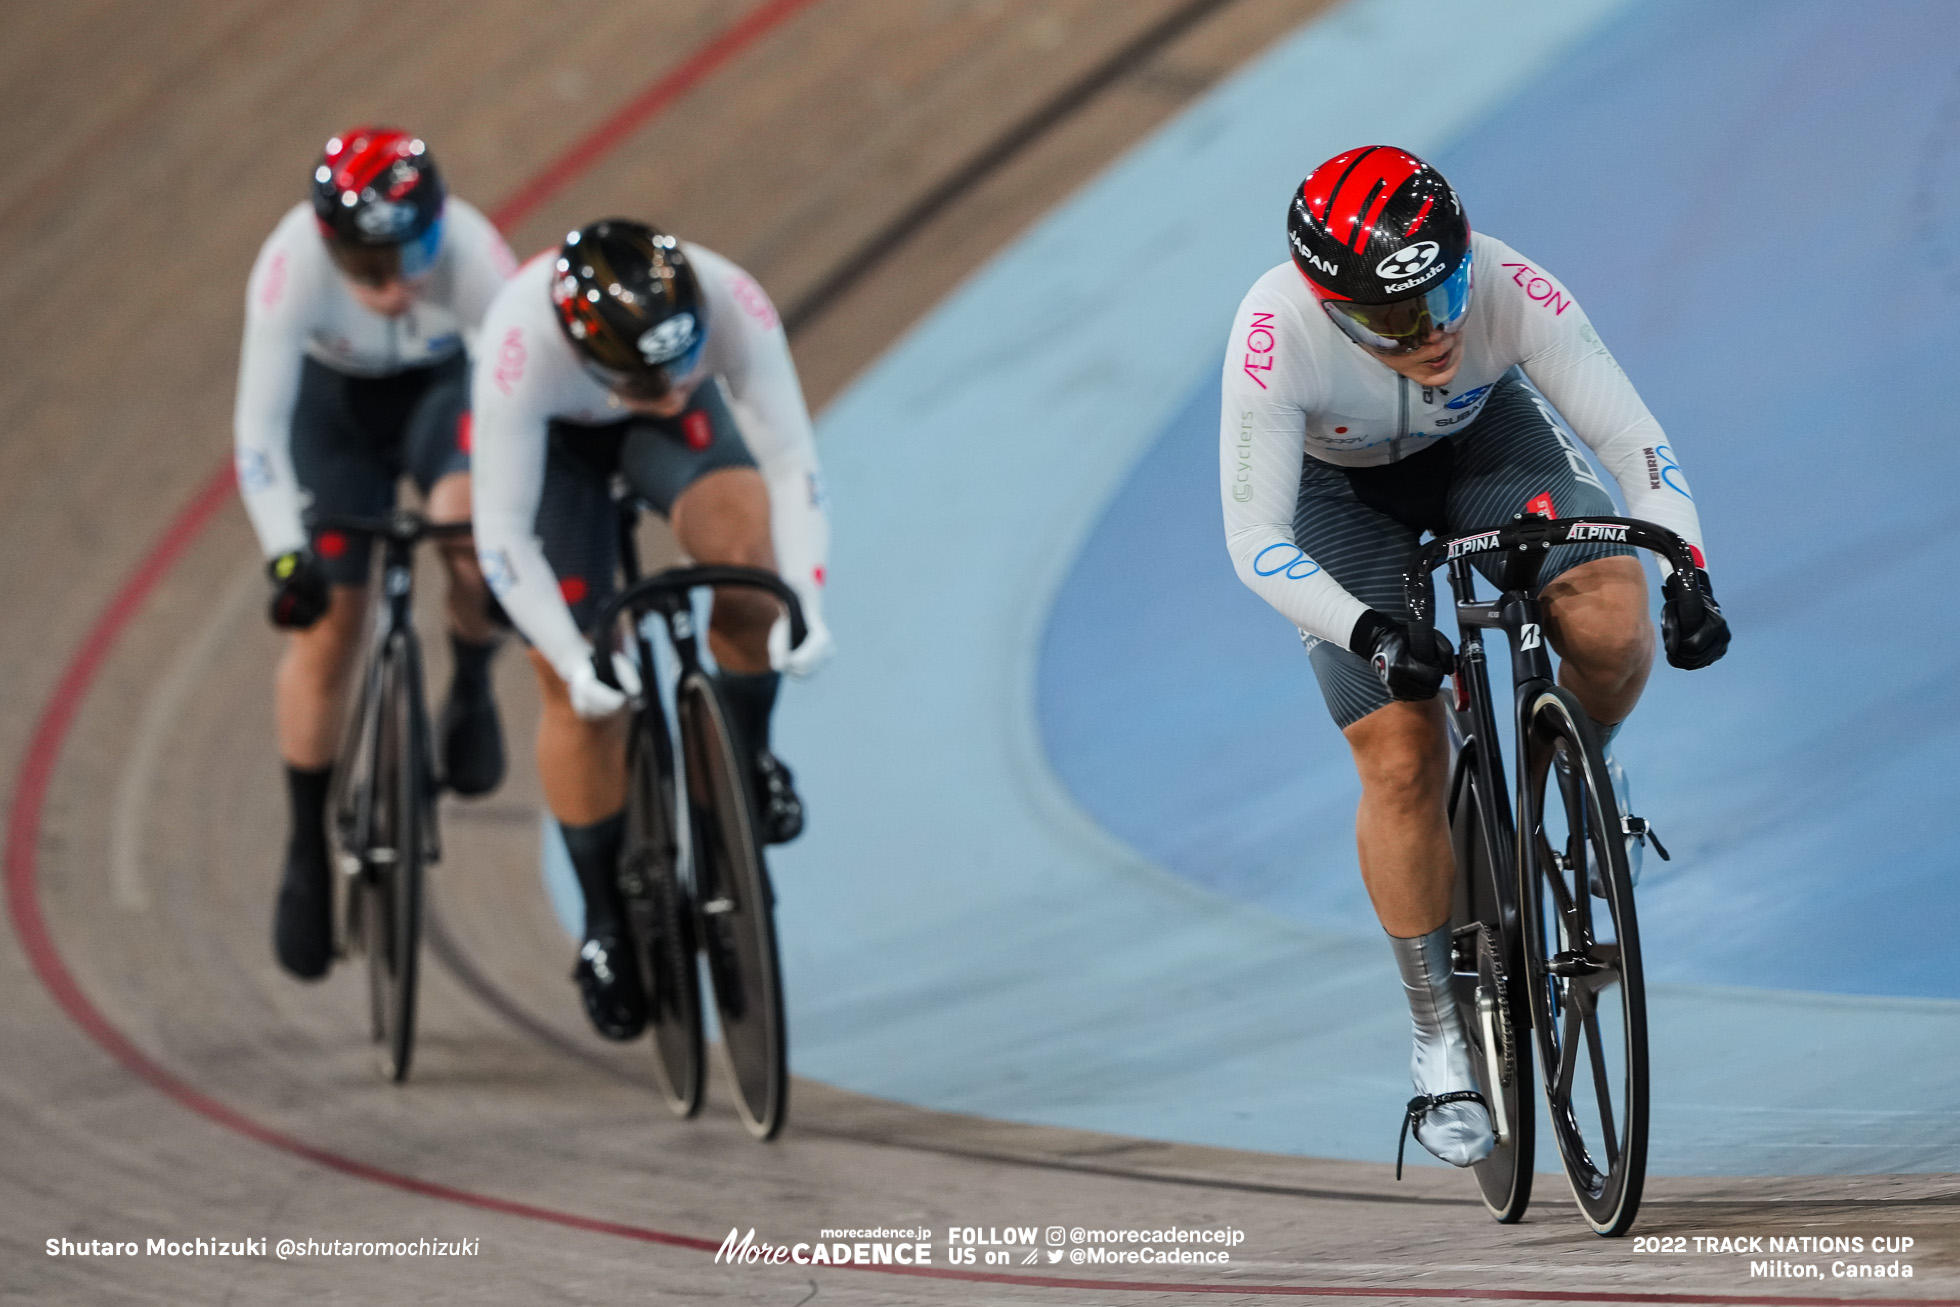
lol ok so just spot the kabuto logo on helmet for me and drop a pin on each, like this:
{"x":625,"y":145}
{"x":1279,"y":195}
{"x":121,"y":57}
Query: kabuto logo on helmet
{"x":384,"y":220}
{"x":1409,"y":261}
{"x":668,"y":340}
{"x":1372,"y":224}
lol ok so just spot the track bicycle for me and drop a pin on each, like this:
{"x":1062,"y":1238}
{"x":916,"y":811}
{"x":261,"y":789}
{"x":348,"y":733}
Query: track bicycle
{"x":698,"y":887}
{"x":384,"y":789}
{"x":1545,"y":941}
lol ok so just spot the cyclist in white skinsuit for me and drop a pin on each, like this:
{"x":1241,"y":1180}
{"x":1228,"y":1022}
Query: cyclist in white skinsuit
{"x":1370,"y":396}
{"x":353,"y":371}
{"x":629,"y":352}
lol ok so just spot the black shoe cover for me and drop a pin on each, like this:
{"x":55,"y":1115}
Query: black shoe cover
{"x":302,"y":925}
{"x":776,"y":802}
{"x":472,"y":741}
{"x":608,"y":976}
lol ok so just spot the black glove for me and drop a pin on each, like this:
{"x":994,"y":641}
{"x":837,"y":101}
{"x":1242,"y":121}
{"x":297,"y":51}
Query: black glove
{"x":1691,"y":647}
{"x":299,"y":590}
{"x":1410,"y":662}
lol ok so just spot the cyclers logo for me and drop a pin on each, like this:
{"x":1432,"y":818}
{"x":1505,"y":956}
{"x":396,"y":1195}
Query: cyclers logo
{"x":1473,"y":544}
{"x":1409,"y":261}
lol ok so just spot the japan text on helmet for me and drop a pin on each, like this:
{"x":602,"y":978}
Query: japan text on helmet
{"x":379,"y":199}
{"x":1383,"y":242}
{"x":628,"y":300}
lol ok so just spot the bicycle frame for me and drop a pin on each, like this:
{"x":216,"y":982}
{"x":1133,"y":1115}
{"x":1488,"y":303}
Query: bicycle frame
{"x":392,"y":619}
{"x":1517,"y":612}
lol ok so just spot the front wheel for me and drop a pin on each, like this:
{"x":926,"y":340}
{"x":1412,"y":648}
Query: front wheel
{"x":1582,"y":960}
{"x":1488,"y":953}
{"x":662,"y":913}
{"x":736,"y":909}
{"x":391,"y":878}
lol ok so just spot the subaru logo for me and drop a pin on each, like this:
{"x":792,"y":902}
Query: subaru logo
{"x":668,"y":340}
{"x":1409,"y":261}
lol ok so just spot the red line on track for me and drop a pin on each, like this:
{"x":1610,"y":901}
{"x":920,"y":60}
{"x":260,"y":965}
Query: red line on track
{"x":693,"y":70}
{"x":37,"y":769}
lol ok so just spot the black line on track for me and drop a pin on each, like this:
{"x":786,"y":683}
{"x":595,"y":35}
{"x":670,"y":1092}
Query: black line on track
{"x":486,"y":991}
{"x":886,"y":241}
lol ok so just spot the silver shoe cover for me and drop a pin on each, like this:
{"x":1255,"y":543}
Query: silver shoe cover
{"x":1459,"y":1133}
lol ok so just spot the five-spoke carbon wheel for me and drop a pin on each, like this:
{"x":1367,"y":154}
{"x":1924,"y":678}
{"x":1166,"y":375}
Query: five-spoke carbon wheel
{"x":1582,"y":963}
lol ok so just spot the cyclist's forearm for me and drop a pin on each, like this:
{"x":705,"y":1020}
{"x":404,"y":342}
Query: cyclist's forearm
{"x":263,"y":462}
{"x":515,"y":569}
{"x":800,"y":528}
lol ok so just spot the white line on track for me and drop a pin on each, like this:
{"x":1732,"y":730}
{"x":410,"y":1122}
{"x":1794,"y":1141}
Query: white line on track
{"x":160,"y":712}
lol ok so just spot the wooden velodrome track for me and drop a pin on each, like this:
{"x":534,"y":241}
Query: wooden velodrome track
{"x":159,"y":1078}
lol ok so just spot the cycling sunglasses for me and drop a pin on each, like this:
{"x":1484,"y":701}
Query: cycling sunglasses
{"x":1403,"y":327}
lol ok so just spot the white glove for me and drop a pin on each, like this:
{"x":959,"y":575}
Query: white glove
{"x":806,"y":658}
{"x":592,"y":698}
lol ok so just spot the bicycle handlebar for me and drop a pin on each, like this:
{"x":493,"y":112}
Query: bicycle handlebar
{"x":676,"y":582}
{"x":1535,"y":532}
{"x":404,"y":524}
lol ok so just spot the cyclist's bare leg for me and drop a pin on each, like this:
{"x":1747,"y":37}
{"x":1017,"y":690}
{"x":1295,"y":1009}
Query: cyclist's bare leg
{"x":469,"y":597}
{"x":724,"y":518}
{"x":583,"y":767}
{"x":582,"y":764}
{"x":1403,"y":760}
{"x":310,"y":689}
{"x":1596,"y":617}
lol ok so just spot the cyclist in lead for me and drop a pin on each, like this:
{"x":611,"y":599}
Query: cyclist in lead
{"x":627,"y":352}
{"x":1400,"y":375}
{"x":354,"y":370}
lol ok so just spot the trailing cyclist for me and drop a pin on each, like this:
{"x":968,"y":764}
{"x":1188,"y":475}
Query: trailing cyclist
{"x":354,"y":370}
{"x":1402,"y":375}
{"x":628,"y":353}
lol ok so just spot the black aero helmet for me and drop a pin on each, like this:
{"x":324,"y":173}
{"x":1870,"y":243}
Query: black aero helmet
{"x":377,"y":188}
{"x":628,"y":300}
{"x":1376,"y":226}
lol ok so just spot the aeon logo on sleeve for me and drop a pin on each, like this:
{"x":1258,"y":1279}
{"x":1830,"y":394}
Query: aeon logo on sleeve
{"x":1259,"y":343}
{"x":1409,"y":261}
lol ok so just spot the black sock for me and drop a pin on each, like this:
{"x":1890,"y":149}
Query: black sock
{"x":471,"y":678}
{"x":595,"y":859}
{"x":751,"y":698}
{"x":307,"y":791}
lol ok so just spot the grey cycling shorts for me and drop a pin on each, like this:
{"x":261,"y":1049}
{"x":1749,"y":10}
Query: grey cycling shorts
{"x":659,"y":457}
{"x":354,"y":438}
{"x":1364,"y":525}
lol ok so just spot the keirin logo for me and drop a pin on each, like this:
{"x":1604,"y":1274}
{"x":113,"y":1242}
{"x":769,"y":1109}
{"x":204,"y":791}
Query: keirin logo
{"x":1409,"y":261}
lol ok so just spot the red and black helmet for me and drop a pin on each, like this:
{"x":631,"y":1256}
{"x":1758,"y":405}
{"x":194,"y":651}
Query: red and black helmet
{"x":378,"y":186}
{"x":628,"y":300}
{"x":1376,"y":224}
